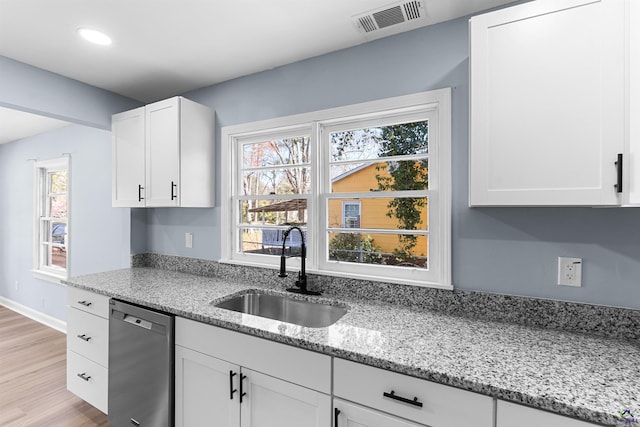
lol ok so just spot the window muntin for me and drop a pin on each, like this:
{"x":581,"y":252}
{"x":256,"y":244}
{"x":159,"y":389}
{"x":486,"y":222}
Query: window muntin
{"x":51,"y":236}
{"x":430,"y":157}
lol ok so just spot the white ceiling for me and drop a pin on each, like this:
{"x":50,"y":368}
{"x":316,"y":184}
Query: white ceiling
{"x":163,"y":48}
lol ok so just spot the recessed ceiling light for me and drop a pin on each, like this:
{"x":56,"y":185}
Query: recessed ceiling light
{"x":94,"y":36}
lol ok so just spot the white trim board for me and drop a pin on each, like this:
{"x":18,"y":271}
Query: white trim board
{"x":38,"y":316}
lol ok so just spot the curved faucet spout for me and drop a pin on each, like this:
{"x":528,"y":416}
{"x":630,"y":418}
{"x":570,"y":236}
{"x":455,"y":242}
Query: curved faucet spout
{"x":301,"y":283}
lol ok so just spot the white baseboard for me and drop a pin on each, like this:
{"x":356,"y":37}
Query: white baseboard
{"x":29,"y":312}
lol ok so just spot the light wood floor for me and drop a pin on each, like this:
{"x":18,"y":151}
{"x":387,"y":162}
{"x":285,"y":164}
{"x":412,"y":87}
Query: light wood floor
{"x":33,"y":378}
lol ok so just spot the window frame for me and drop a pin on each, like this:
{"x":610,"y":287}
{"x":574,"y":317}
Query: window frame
{"x":436,"y":103}
{"x":41,"y":268}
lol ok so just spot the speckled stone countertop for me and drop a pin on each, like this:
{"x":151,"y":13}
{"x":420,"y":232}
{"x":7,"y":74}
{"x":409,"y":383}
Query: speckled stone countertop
{"x":586,"y":377}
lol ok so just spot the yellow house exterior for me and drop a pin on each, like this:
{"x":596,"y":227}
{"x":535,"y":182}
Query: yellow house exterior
{"x":373,"y":212}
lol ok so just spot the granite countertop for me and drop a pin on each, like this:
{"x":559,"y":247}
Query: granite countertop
{"x":587,"y":377}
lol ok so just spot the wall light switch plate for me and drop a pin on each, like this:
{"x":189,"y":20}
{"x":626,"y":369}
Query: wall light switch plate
{"x":570,"y":271}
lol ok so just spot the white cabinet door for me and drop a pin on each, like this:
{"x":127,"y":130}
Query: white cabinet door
{"x":272,"y":402}
{"x":203,"y":390}
{"x":547,"y":103}
{"x":128,"y":158}
{"x":351,"y":415}
{"x":509,"y":415}
{"x":163,"y":153}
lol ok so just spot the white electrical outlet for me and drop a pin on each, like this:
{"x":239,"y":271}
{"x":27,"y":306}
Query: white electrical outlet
{"x":570,"y":271}
{"x":188,"y":240}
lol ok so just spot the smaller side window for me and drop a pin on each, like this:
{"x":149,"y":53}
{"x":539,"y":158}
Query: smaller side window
{"x":351,"y":214}
{"x":51,"y":218}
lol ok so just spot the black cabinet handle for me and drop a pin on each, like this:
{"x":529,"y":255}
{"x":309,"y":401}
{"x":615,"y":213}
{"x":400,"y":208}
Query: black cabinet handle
{"x":618,"y":164}
{"x":231,"y":389}
{"x":173,"y":186}
{"x":84,"y":337}
{"x":242,"y":393}
{"x":140,"y":188}
{"x":84,"y":376}
{"x":336,"y":414}
{"x":85,"y":303}
{"x":393,"y":396}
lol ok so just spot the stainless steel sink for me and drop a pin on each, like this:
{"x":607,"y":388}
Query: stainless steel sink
{"x":285,"y":309}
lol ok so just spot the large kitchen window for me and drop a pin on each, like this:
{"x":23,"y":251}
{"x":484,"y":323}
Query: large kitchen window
{"x":51,"y":219}
{"x":368,"y":184}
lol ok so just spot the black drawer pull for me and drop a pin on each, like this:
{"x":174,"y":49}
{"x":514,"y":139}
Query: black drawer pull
{"x":85,"y":303}
{"x":84,"y":376}
{"x":393,"y":396}
{"x":84,"y":337}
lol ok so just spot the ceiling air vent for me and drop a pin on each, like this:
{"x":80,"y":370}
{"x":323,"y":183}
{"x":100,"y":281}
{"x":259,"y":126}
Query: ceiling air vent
{"x":390,"y":15}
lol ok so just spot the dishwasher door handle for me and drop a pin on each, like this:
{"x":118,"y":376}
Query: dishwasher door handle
{"x":137,"y":321}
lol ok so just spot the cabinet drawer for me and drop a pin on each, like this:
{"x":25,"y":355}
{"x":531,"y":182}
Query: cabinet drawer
{"x":93,"y":389}
{"x":441,"y":405}
{"x":510,"y":414}
{"x":88,"y":301}
{"x":304,"y":367}
{"x":349,"y":414}
{"x":88,"y":335}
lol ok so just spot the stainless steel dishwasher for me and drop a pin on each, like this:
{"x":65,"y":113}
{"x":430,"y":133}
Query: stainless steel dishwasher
{"x":141,"y":366}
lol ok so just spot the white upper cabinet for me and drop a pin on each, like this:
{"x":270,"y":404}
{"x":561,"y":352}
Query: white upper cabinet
{"x":549,"y":111}
{"x":163,"y":155}
{"x":128,"y":174}
{"x":163,"y":151}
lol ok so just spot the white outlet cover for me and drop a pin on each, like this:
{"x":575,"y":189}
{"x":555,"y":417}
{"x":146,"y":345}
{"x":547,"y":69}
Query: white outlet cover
{"x":570,"y":271}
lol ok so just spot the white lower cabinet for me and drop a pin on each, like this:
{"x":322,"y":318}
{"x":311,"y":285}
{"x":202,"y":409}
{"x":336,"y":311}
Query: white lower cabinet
{"x":510,"y":414}
{"x":202,"y":390}
{"x":87,"y":380}
{"x":225,"y":378}
{"x":273,"y":402}
{"x":348,"y":414}
{"x":413,"y":399}
{"x":88,"y":346}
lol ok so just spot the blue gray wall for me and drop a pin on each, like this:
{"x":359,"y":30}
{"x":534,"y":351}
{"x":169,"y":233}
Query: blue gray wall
{"x":31,"y":89}
{"x":500,"y":250}
{"x":99,"y":237}
{"x":100,"y":234}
